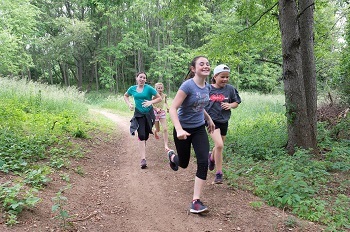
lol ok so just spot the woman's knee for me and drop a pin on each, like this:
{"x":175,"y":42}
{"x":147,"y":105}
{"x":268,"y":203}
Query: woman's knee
{"x":202,"y":170}
{"x":219,"y":145}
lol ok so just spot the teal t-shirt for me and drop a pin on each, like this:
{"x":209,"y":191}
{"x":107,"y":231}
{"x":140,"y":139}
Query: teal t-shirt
{"x":147,"y":93}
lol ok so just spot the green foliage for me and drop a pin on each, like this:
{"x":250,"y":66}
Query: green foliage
{"x":79,"y":170}
{"x":287,"y":185}
{"x":37,"y":123}
{"x":256,"y":204}
{"x":14,"y":198}
{"x":18,"y":24}
{"x":37,"y":178}
{"x":290,"y":222}
{"x":311,"y":187}
{"x":258,"y":126}
{"x":109,"y":41}
{"x":297,"y":183}
{"x":58,"y":208}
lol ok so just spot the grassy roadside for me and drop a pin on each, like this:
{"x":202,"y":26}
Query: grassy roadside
{"x":39,"y":125}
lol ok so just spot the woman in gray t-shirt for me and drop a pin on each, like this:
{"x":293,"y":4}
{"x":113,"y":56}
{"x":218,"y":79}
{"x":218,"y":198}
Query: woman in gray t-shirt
{"x":188,"y":116}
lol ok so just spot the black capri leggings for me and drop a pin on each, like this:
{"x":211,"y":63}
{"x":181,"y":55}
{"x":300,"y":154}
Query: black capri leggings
{"x":200,"y":142}
{"x":143,"y":131}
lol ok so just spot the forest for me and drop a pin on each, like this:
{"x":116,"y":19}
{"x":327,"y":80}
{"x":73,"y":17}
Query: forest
{"x":97,"y":45}
{"x":298,"y":49}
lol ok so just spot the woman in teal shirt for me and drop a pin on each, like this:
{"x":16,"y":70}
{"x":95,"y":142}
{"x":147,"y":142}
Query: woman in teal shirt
{"x":143,"y":119}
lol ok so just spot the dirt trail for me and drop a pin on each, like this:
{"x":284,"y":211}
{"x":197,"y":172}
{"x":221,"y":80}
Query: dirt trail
{"x":116,"y":195}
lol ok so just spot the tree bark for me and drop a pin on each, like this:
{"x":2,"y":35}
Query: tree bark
{"x":296,"y":108}
{"x":306,"y":21}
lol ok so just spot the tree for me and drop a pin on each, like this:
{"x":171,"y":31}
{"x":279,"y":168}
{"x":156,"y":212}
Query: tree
{"x":296,"y":24}
{"x":18,"y":25}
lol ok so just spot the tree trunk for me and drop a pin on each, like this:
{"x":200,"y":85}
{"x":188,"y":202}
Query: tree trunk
{"x":306,"y":20}
{"x":49,"y":66}
{"x":79,"y":66}
{"x":296,"y":112}
{"x":91,"y":76}
{"x":96,"y":77}
{"x":29,"y":74}
{"x":63,"y":73}
{"x":140,"y":65}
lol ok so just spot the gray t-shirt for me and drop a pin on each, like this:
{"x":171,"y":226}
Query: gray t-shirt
{"x":191,"y":111}
{"x":216,"y":97}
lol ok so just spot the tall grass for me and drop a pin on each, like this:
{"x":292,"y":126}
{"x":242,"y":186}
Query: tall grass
{"x":257,"y":128}
{"x":51,"y":98}
{"x":107,"y":101}
{"x":254,"y":104}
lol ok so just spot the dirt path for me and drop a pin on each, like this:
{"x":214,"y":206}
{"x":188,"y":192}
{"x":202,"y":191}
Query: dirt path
{"x":114,"y":195}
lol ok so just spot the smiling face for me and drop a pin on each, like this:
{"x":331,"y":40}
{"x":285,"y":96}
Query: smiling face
{"x":141,"y":79}
{"x":202,"y":67}
{"x":159,"y":88}
{"x":221,"y":79}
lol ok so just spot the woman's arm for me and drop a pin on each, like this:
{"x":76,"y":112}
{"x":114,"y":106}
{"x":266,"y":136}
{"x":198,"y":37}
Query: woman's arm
{"x":175,"y":105}
{"x":211,"y":125}
{"x":126,"y":99}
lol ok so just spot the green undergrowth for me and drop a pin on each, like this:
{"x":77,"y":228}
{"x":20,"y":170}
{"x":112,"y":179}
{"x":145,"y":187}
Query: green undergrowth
{"x":38,"y":126}
{"x":313,"y":187}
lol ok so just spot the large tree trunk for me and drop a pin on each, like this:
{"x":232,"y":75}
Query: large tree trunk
{"x":306,"y":20}
{"x":296,"y":109}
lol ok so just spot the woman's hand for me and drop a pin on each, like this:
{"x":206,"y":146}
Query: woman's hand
{"x":146,"y":103}
{"x":211,"y":126}
{"x":182,"y":134}
{"x":226,"y":105}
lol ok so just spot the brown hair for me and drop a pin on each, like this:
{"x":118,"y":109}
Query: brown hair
{"x":190,"y":74}
{"x":137,"y":74}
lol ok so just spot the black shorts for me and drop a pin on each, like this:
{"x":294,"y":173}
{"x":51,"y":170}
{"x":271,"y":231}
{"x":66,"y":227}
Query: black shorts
{"x":223,"y":126}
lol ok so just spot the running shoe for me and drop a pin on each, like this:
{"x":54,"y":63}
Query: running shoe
{"x":211,"y":162}
{"x":218,"y":178}
{"x":174,"y":164}
{"x":143,"y":164}
{"x":198,"y":207}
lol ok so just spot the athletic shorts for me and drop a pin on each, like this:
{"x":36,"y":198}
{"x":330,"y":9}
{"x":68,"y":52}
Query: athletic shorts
{"x":159,"y":115}
{"x":222,"y":126}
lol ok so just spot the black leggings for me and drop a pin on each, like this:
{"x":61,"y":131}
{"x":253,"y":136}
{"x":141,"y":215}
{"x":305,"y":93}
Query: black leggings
{"x":200,"y":142}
